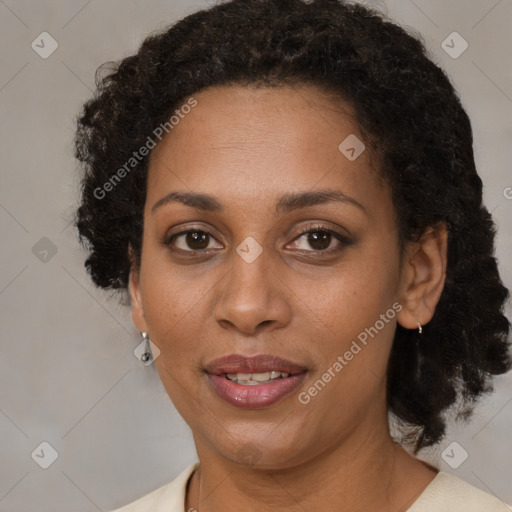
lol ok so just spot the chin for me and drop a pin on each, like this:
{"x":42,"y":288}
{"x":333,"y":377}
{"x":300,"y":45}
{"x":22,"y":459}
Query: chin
{"x":260,"y":454}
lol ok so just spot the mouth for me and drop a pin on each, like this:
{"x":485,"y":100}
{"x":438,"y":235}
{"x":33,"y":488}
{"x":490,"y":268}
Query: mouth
{"x":254,"y":382}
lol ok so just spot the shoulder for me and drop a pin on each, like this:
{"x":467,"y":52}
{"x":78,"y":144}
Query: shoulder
{"x":448,"y":493}
{"x":168,"y":498}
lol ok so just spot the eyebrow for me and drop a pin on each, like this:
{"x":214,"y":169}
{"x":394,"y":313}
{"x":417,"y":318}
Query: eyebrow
{"x":286,"y":204}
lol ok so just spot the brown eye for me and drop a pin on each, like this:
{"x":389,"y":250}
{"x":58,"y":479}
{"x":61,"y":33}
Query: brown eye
{"x":197,"y":240}
{"x":191,"y":240}
{"x":320,"y":239}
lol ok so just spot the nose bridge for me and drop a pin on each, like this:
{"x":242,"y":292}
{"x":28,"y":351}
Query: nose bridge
{"x":250,"y":272}
{"x":251,"y":294}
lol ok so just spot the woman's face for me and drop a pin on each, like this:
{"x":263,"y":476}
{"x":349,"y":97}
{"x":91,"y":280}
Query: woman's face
{"x":262,"y":272}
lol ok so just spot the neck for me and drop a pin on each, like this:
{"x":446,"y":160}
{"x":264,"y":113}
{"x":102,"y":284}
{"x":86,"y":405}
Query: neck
{"x":365,"y":472}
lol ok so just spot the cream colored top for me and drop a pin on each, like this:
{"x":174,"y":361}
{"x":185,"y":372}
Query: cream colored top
{"x":445,"y":493}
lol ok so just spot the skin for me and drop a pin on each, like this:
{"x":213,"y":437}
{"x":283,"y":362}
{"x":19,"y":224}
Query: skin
{"x":247,"y":147}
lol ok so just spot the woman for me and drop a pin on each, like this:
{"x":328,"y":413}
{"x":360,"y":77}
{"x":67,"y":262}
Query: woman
{"x":287,"y":190}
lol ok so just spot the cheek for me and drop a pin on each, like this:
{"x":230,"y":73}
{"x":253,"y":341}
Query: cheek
{"x":172,"y":306}
{"x":177,"y":303}
{"x":163,"y":305}
{"x":354,"y":323}
{"x":166,"y":299}
{"x":350,"y":362}
{"x":352,"y":298}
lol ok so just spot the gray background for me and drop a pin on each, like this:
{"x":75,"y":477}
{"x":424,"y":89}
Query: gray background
{"x":68,"y":375}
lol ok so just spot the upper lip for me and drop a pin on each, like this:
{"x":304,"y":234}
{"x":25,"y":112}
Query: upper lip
{"x":238,"y":363}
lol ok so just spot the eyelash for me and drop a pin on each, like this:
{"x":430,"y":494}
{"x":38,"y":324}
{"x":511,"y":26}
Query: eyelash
{"x":311,"y":228}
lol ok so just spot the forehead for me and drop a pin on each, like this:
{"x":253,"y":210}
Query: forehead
{"x":243,"y":144}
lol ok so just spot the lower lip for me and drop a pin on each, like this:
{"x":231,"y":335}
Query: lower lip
{"x":255,"y":396}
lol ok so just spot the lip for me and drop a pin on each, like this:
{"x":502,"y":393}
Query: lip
{"x":238,"y":363}
{"x":257,"y":396}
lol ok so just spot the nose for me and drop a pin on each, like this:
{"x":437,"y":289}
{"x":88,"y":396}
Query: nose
{"x":252,"y":297}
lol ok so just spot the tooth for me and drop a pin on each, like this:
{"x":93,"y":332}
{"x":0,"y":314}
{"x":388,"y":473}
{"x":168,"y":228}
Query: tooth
{"x":260,"y":377}
{"x":256,"y":378}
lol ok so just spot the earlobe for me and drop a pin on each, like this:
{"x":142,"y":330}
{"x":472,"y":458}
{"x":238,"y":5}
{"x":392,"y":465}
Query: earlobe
{"x":424,"y":275}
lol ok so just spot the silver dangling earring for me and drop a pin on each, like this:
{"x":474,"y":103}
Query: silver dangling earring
{"x":146,"y":355}
{"x":420,"y":329}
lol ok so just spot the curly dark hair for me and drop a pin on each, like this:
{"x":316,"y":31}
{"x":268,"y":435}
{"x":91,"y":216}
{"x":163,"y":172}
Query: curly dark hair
{"x":410,"y":116}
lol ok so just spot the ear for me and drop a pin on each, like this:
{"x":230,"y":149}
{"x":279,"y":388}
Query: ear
{"x":136,"y":300}
{"x":423,"y":277}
